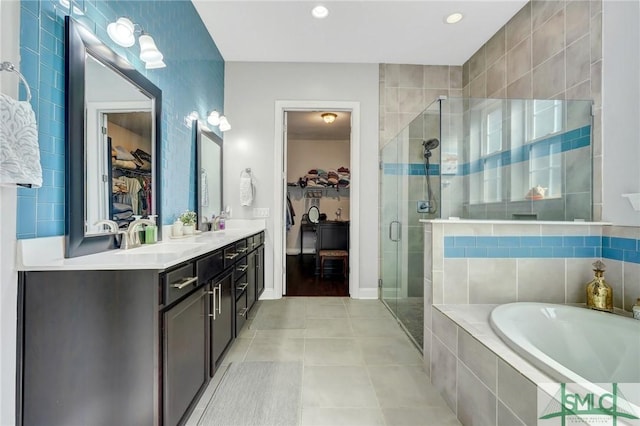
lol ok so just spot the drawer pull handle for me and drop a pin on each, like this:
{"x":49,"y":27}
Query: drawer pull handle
{"x":243,"y":268}
{"x":185,"y":282}
{"x":243,"y":250}
{"x":231,"y":256}
{"x":243,"y":312}
{"x":242,"y":287}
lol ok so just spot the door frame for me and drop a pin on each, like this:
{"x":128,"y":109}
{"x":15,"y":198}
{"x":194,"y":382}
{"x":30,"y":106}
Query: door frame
{"x":280,"y":177}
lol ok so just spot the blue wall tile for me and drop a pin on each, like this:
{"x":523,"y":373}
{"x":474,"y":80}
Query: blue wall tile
{"x":192,"y":80}
{"x":622,"y":249}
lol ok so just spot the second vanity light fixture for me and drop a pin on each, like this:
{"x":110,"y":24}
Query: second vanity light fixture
{"x":123,"y":33}
{"x":215,"y":119}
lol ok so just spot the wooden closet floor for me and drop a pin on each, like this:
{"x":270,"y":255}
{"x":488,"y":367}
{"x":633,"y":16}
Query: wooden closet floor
{"x":302,"y":280}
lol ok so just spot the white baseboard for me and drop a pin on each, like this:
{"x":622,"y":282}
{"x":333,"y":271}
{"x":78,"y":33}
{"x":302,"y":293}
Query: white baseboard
{"x":268,"y":294}
{"x":368,"y":293}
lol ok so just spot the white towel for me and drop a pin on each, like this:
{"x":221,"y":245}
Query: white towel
{"x":19,"y":149}
{"x":246,"y":190}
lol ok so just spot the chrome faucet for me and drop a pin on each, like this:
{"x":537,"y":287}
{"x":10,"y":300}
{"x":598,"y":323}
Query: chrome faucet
{"x":132,"y":237}
{"x":113,"y":226}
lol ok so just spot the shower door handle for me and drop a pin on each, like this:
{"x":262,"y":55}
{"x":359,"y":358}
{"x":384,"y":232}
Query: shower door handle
{"x":391,"y":231}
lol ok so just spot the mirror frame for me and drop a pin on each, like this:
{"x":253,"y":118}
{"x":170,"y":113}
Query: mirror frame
{"x":79,"y":41}
{"x":199,"y":130}
{"x":316,"y":215}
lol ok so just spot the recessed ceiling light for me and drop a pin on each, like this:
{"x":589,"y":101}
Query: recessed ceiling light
{"x":320,"y":12}
{"x":454,"y":18}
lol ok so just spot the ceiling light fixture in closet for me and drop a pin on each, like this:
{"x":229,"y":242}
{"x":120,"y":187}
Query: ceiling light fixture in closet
{"x":320,"y":12}
{"x":454,"y":18}
{"x":329,"y":117}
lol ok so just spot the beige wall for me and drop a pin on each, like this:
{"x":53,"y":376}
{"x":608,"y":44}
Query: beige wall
{"x":548,"y":50}
{"x":302,"y":156}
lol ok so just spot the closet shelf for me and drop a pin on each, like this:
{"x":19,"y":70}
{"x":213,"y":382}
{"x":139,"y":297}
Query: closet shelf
{"x":319,"y":191}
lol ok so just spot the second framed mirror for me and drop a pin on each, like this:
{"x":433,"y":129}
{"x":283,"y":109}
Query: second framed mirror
{"x":208,"y":175}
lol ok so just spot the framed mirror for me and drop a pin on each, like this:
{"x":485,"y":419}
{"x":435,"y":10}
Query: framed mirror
{"x":209,"y":178}
{"x":112,"y":168}
{"x":313,"y":214}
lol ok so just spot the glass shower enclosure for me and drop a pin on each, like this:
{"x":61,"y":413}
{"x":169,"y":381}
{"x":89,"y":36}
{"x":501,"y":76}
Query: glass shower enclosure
{"x":496,"y":159}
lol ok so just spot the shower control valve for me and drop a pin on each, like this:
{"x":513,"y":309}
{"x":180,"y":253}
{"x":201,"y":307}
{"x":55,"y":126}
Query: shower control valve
{"x":424,"y":206}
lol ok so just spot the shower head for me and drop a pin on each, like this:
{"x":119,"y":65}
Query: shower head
{"x":430,"y":144}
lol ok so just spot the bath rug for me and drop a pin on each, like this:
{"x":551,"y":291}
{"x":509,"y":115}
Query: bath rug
{"x":256,"y":394}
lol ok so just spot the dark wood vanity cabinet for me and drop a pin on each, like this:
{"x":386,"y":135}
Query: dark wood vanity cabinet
{"x":129,"y":347}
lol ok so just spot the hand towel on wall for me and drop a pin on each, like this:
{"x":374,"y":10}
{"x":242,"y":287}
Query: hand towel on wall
{"x":246,"y":188}
{"x":19,"y":149}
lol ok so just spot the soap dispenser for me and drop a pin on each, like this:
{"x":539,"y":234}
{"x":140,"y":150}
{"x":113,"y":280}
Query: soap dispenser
{"x":599,"y":293}
{"x":151,"y":231}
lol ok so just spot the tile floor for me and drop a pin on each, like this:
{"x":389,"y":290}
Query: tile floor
{"x":359,"y":368}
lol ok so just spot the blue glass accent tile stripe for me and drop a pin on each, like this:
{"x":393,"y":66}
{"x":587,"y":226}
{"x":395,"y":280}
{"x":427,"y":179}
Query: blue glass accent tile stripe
{"x":409,"y":169}
{"x":567,"y":141}
{"x":548,"y":246}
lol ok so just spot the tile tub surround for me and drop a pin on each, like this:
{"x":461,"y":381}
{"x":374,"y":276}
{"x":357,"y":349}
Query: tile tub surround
{"x":481,"y":379}
{"x":510,"y":261}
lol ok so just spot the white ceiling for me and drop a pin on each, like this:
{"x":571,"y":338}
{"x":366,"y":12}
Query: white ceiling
{"x":364,"y":31}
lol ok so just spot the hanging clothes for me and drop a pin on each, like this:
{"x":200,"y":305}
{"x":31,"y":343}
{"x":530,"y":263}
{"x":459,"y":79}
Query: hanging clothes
{"x":290,"y":214}
{"x":204,"y":185}
{"x":19,"y":149}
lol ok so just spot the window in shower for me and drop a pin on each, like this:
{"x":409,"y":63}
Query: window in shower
{"x":546,"y":118}
{"x":491,"y":161}
{"x":545,"y":167}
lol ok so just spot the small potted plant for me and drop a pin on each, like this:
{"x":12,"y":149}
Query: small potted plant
{"x":188,"y":219}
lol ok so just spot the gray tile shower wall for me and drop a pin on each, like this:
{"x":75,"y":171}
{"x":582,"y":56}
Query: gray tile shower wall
{"x":406,"y":90}
{"x":551,"y":49}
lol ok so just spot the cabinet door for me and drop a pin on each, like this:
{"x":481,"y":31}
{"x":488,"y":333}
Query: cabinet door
{"x":259,"y":271}
{"x":221,"y":302}
{"x":185,"y":355}
{"x":251,"y":279}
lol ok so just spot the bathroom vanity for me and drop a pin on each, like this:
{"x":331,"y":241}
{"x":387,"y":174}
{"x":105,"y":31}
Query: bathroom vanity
{"x":132,"y":337}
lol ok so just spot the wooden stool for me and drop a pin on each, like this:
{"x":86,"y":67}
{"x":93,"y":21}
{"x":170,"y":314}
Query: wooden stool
{"x":334,"y":254}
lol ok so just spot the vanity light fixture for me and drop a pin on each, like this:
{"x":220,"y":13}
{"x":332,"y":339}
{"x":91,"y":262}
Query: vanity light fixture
{"x":123,"y":33}
{"x":454,"y":18}
{"x":329,"y":117}
{"x":224,"y":124}
{"x":214,"y":118}
{"x":320,"y":12}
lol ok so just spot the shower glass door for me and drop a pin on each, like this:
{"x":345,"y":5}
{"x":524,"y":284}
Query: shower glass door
{"x":405,"y":180}
{"x":390,"y":226}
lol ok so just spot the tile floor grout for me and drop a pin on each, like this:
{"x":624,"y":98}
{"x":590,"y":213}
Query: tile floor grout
{"x":329,"y":370}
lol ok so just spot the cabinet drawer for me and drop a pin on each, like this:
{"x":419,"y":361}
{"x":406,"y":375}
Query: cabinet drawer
{"x":230,"y":255}
{"x":210,"y":266}
{"x":253,"y":242}
{"x":240,"y":287}
{"x":241,"y":312}
{"x":240,"y":268}
{"x":241,"y":247}
{"x":179,"y":282}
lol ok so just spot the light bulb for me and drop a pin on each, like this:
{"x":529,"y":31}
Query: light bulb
{"x":214,"y":118}
{"x":224,"y":124}
{"x":154,"y":65}
{"x":320,"y":12}
{"x":148,"y":50}
{"x":121,"y":32}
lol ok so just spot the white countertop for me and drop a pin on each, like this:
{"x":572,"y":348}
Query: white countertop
{"x":46,"y":254}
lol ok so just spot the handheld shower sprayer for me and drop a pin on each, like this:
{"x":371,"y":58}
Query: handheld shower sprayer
{"x":428,"y":145}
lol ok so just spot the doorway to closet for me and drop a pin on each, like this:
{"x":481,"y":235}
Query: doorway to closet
{"x":318,"y":181}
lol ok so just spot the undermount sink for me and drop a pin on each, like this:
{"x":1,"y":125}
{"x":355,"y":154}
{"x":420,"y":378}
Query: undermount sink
{"x":173,"y":247}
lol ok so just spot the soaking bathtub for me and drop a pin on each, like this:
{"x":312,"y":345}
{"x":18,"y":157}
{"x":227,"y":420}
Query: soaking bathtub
{"x":571,"y":344}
